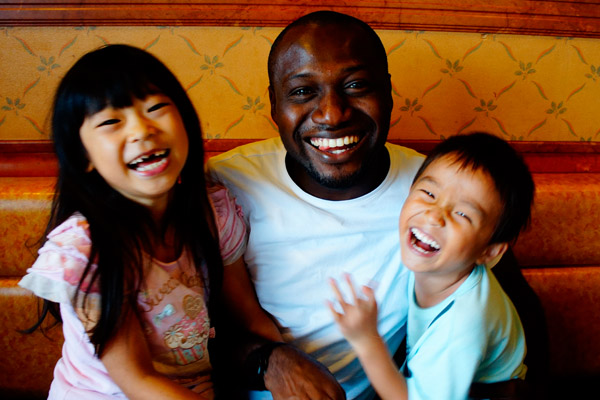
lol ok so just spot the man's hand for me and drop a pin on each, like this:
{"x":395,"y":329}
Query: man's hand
{"x":294,"y":375}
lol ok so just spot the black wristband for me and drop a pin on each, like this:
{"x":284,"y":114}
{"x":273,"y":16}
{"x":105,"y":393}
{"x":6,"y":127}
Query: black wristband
{"x":256,"y":365}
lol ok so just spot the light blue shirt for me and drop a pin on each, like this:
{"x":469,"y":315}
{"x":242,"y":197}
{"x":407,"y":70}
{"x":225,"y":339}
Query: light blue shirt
{"x":475,"y":335}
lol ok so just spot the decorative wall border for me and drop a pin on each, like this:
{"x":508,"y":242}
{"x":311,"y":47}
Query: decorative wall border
{"x":36,"y":158}
{"x":531,"y":17}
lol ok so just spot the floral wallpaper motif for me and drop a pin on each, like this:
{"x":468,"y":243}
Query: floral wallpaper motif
{"x":529,"y":88}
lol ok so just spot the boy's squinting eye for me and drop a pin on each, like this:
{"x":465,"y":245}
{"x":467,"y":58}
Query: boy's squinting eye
{"x":428,"y":193}
{"x":462,"y":214}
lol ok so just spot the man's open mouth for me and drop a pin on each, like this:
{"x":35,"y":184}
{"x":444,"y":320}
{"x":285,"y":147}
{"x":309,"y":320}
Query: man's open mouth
{"x":421,"y":242}
{"x":150,"y":161}
{"x":335,"y":146}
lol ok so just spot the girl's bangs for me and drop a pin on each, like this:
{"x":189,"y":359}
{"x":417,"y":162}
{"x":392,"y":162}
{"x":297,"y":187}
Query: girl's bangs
{"x":115,"y":90}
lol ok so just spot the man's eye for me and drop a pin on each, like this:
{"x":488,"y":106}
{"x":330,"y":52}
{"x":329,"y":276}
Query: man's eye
{"x":108,"y":122}
{"x":357,"y":85}
{"x":157,"y":106}
{"x":301,"y":92}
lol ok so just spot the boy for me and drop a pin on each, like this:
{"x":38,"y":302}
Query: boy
{"x":471,"y":198}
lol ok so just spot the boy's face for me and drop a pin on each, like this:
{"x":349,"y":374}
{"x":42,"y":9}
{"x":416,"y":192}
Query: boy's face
{"x":448,"y":219}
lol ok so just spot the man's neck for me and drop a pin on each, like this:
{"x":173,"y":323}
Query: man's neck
{"x":370,"y":178}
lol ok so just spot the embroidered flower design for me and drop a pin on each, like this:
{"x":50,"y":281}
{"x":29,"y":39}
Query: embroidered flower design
{"x":174,"y":336}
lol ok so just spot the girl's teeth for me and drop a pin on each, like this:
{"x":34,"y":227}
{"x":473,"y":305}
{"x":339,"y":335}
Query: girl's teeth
{"x":146,"y":157}
{"x":144,"y":168}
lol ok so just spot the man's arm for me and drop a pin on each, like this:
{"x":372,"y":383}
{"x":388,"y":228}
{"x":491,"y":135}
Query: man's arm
{"x":292,"y":374}
{"x":247,"y":355}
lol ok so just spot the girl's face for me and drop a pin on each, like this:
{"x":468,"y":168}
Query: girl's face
{"x":139,"y":150}
{"x":448,"y":219}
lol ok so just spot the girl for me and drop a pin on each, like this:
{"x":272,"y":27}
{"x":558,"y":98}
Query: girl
{"x":136,"y":242}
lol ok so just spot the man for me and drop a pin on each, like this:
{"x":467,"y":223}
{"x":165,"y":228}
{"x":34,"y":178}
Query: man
{"x":322,"y":200}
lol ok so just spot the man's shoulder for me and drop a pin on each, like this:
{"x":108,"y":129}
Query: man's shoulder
{"x":405,"y":151}
{"x":256,"y":161}
{"x":404,"y":163}
{"x":260,"y":148}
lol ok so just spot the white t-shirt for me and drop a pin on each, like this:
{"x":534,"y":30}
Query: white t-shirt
{"x":297,"y":241}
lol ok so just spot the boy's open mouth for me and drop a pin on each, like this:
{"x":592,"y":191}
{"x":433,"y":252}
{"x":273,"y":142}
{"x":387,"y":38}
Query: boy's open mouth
{"x":335,"y":146}
{"x":422,"y":242}
{"x":149,"y":161}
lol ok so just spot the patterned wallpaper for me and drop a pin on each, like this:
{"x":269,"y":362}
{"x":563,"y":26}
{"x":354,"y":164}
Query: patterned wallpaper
{"x":528,"y":88}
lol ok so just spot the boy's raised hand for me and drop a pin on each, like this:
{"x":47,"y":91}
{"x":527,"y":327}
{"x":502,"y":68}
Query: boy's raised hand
{"x":358,"y":319}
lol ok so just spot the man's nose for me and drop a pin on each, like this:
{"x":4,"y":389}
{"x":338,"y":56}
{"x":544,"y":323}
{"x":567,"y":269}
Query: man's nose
{"x":332,"y":109}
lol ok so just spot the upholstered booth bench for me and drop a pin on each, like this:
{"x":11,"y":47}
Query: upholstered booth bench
{"x":560,"y":256}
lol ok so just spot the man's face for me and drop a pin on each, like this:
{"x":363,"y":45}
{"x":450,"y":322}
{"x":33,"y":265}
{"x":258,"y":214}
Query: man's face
{"x":331,"y":99}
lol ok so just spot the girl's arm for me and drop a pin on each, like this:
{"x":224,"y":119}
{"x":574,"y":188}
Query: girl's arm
{"x":128,"y":362}
{"x":241,"y":302}
{"x":358,"y":323}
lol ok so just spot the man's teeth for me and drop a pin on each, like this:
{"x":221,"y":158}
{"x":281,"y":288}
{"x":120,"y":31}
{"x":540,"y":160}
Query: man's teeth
{"x":425,"y":239}
{"x":325,"y":144}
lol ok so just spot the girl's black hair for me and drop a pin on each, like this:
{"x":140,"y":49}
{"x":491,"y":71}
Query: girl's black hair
{"x":121,"y":230}
{"x":508,"y":170}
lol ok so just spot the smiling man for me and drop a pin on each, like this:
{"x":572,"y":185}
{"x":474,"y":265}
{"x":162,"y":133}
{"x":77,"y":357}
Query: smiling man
{"x":323,"y":199}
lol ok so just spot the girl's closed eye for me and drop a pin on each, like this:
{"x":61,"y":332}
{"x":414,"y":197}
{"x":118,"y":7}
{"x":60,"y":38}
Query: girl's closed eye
{"x":111,"y":121}
{"x":158,"y":106}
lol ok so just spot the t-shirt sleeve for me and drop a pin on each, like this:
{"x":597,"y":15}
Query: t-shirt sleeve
{"x":61,"y":261}
{"x":230,"y":224}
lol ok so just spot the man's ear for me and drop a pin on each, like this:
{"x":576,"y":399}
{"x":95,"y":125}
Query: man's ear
{"x":492,"y":252}
{"x":273,"y":101}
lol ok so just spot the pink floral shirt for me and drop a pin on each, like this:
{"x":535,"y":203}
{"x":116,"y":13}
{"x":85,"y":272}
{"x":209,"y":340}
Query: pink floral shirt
{"x":172,"y":305}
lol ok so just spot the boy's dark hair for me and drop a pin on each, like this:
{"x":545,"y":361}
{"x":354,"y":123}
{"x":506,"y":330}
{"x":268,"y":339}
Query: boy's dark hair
{"x":121,"y":229}
{"x":511,"y":176}
{"x":325,"y":17}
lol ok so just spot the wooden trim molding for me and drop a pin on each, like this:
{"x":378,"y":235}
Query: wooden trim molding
{"x":36,"y":158}
{"x":530,"y":17}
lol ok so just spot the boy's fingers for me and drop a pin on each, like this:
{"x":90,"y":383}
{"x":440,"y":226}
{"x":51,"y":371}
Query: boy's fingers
{"x":348,"y":279}
{"x":336,"y":315}
{"x":336,"y":292}
{"x":368,"y":291}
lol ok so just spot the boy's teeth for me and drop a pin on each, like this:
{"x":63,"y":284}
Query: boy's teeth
{"x":324,"y":144}
{"x":423,"y":238}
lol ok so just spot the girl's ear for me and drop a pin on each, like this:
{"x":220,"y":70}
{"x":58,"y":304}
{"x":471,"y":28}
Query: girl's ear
{"x":492,"y":252}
